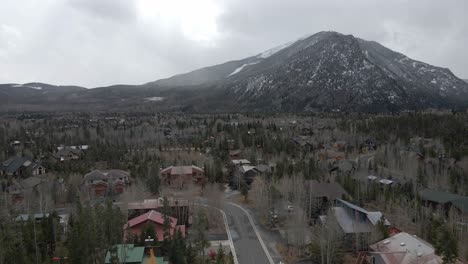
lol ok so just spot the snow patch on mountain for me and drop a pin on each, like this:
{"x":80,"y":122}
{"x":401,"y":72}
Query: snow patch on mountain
{"x":274,"y":50}
{"x":242,"y":67}
{"x":155,"y":99}
{"x":27,"y":86}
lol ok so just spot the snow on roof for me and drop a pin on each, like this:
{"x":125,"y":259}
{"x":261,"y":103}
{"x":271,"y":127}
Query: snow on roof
{"x":240,"y":161}
{"x":247,"y":168}
{"x":405,"y":249}
{"x":372,"y":177}
{"x":386,"y":181}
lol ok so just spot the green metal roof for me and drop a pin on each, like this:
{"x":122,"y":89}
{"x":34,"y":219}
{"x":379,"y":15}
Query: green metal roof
{"x":438,"y":196}
{"x":160,"y":260}
{"x":458,"y":201}
{"x":128,"y":253}
{"x":461,"y":204}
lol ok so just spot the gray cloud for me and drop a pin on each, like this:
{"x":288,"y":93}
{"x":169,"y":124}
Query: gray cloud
{"x":118,"y":10}
{"x":103,"y":42}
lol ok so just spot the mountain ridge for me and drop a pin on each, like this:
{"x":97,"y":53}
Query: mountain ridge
{"x":326,"y":71}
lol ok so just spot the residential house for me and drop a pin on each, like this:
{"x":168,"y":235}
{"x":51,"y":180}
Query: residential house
{"x":135,"y":226}
{"x":240,"y":162}
{"x":126,"y":253}
{"x":243,"y":173}
{"x":356,"y":223}
{"x":104,"y":182}
{"x":181,"y":175}
{"x":403,"y":248}
{"x":22,"y":167}
{"x":179,"y":208}
{"x":321,"y":194}
{"x":266,"y":169}
{"x":235,"y":154}
{"x":36,"y":217}
{"x":19,"y":188}
{"x":305,"y":142}
{"x":354,"y":219}
{"x":67,"y":154}
{"x":62,"y":218}
{"x":248,"y":173}
{"x":331,"y":156}
{"x":340,"y":145}
{"x":131,"y":254}
{"x":444,"y":200}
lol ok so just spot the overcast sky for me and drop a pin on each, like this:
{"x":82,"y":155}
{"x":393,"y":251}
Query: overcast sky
{"x":103,"y":42}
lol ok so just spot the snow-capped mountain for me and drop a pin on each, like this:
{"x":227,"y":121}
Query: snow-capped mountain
{"x":327,"y":71}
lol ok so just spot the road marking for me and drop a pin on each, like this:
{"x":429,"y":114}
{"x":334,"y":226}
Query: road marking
{"x":270,"y":259}
{"x":231,"y":243}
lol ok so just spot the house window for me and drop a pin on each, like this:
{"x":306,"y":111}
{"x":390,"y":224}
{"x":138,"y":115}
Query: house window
{"x":40,"y":170}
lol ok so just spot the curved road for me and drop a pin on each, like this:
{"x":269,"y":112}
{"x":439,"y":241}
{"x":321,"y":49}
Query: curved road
{"x":248,"y":246}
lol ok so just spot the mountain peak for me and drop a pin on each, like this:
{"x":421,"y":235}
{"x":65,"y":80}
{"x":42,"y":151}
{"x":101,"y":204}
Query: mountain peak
{"x":326,"y":71}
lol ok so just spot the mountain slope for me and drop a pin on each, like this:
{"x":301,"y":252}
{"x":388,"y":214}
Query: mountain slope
{"x":327,"y":71}
{"x":330,"y":71}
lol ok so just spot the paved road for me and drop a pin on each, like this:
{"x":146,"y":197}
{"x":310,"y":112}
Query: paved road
{"x":248,"y":247}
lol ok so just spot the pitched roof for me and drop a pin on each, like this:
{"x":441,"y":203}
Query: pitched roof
{"x":127,"y":253}
{"x":461,"y":204}
{"x":156,"y":203}
{"x":323,"y":189}
{"x":351,"y":223}
{"x":437,"y":196}
{"x":240,"y":161}
{"x":263,"y":168}
{"x":181,"y":170}
{"x":441,"y":197}
{"x":13,"y":164}
{"x":25,"y":217}
{"x":67,"y":152}
{"x":106,"y":174}
{"x":246,"y":168}
{"x":405,"y":249}
{"x":31,"y":182}
{"x":153,"y":216}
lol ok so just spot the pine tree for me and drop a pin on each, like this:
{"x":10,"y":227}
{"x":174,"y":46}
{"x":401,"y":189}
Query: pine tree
{"x":153,"y":182}
{"x":199,"y":228}
{"x":177,"y":254}
{"x":166,"y":210}
{"x":220,"y":255}
{"x":245,"y":190}
{"x":190,"y":254}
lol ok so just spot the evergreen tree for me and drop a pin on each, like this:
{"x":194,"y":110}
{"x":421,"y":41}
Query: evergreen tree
{"x":244,"y":190}
{"x":199,"y":228}
{"x":178,"y":249}
{"x":220,"y":255}
{"x":153,"y":182}
{"x":190,"y":254}
{"x":167,"y":225}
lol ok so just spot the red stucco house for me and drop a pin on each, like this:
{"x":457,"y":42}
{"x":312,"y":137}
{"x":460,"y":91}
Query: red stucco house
{"x":135,"y":226}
